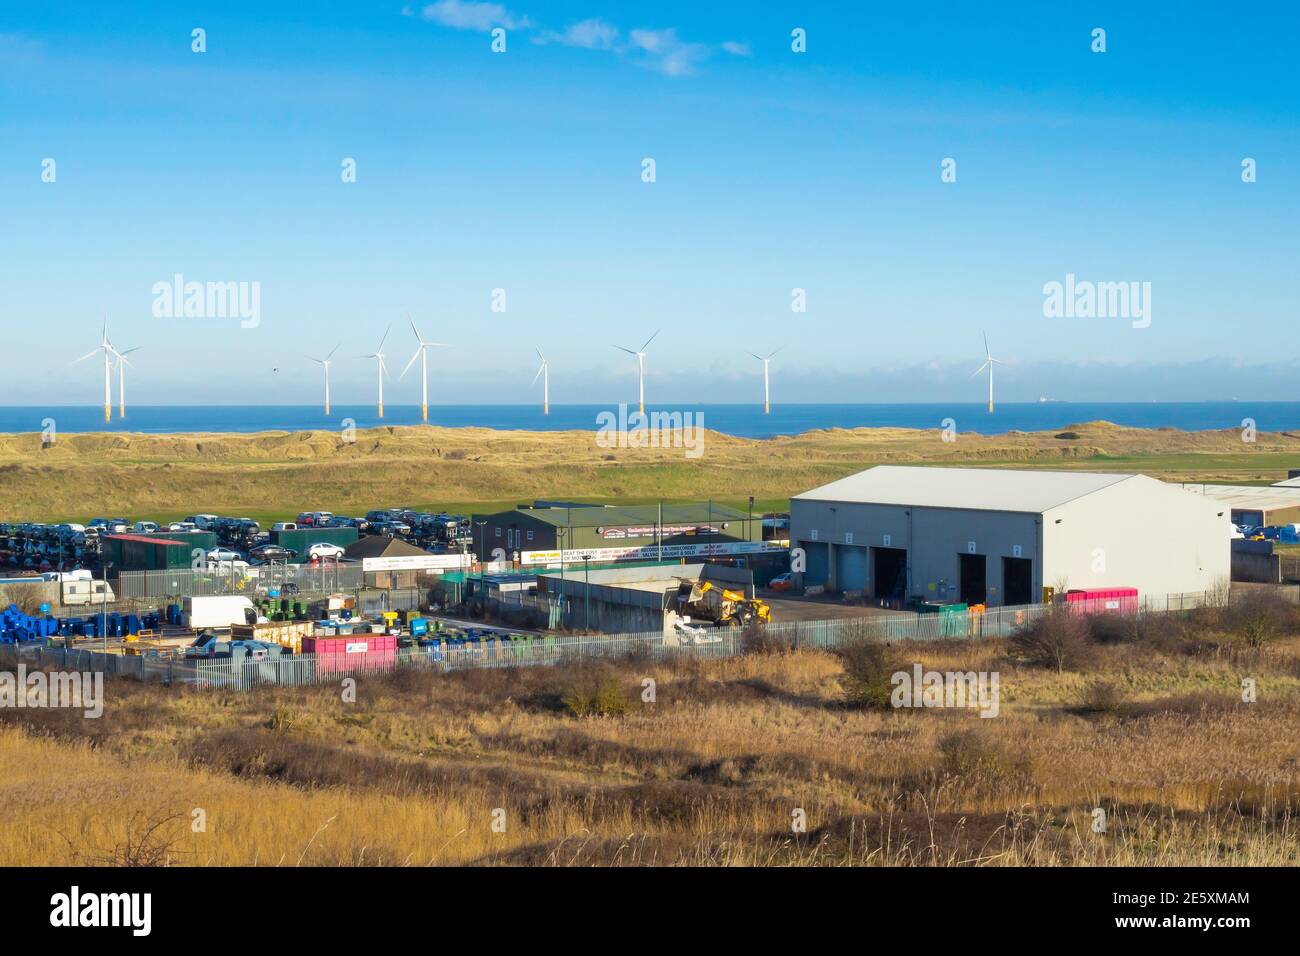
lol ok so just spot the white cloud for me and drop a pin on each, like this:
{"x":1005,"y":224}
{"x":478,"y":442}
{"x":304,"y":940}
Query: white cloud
{"x":736,"y":48}
{"x":594,"y":34}
{"x":471,"y":15}
{"x":666,"y":52}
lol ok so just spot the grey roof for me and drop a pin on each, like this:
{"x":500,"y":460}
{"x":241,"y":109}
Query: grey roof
{"x":980,"y":489}
{"x":379,"y":546}
{"x":627,"y":515}
{"x":1253,"y":497}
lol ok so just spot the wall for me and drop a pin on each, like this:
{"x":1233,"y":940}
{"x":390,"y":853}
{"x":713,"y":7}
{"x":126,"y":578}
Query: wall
{"x":933,"y":537}
{"x":1139,"y":533}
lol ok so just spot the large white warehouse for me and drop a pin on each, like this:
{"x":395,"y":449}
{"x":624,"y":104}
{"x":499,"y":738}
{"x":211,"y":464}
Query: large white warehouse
{"x":997,"y":536}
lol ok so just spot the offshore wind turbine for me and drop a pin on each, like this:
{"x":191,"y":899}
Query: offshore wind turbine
{"x":989,"y":362}
{"x":106,"y":347}
{"x":544,"y":373}
{"x":121,"y":379}
{"x":765,"y":359}
{"x":326,"y":363}
{"x":378,"y":356}
{"x":640,"y":368}
{"x":422,"y":353}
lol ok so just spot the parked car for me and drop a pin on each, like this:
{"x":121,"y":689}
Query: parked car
{"x":324,"y":550}
{"x":201,"y":521}
{"x":782,"y":582}
{"x":146,"y":527}
{"x":284,"y":526}
{"x":223,"y":554}
{"x":272,"y":552}
{"x":182,"y":526}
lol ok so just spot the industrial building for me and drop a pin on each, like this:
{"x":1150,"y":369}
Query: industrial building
{"x":538,"y":533}
{"x":634,"y":599}
{"x":1254,"y":505}
{"x":999,"y":536}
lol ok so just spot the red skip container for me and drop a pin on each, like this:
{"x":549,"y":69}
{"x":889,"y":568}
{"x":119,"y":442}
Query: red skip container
{"x":352,"y":652}
{"x":1102,"y":600}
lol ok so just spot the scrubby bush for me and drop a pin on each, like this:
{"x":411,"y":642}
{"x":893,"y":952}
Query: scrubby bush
{"x":757,"y":639}
{"x":868,"y":667}
{"x":973,"y":755}
{"x":1261,"y":617}
{"x":1101,"y":697}
{"x":596,"y":698}
{"x":1059,"y":639}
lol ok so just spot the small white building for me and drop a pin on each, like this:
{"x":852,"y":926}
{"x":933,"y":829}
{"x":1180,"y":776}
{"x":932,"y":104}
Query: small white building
{"x":998,"y":536}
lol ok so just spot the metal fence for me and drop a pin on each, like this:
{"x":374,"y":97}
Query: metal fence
{"x":518,"y":650}
{"x":161,"y":585}
{"x":84,"y":660}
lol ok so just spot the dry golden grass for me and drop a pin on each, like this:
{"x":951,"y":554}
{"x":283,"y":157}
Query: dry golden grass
{"x":272,"y":474}
{"x":710,"y":773}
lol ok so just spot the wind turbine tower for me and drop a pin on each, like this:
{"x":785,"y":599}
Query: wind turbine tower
{"x":544,"y":372}
{"x":989,"y":362}
{"x":325,"y":363}
{"x":766,"y":359}
{"x":640,"y":367}
{"x":422,"y":353}
{"x":378,"y":356}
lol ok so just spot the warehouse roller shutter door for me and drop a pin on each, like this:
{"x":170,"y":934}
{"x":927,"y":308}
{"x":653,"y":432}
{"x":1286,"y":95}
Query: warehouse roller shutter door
{"x":851,"y":573}
{"x":819,"y":563}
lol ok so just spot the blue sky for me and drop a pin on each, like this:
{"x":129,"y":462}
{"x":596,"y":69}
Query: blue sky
{"x":775,"y":170}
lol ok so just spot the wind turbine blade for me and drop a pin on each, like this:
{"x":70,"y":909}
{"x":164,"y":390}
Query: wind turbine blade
{"x":90,"y":354}
{"x":417,"y":354}
{"x":757,"y":356}
{"x":540,"y":369}
{"x":649,"y":340}
{"x":980,"y":369}
{"x":384,"y":339}
{"x":987,"y":353}
{"x":621,"y":349}
{"x":770,"y":354}
{"x":540,"y":355}
{"x":332,"y":351}
{"x":414,"y":329}
{"x":317,"y":361}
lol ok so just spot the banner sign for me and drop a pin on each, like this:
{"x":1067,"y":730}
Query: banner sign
{"x":664,"y":531}
{"x":418,"y":562}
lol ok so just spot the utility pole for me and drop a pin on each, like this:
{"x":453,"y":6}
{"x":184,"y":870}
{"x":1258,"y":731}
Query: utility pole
{"x":586,"y":591}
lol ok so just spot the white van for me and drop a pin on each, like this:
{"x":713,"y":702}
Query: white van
{"x":146,"y":527}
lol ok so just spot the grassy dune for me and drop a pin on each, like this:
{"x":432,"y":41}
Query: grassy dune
{"x":271,"y":475}
{"x":710,"y":773}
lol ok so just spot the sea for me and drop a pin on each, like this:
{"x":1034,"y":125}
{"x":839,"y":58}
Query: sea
{"x":746,"y":421}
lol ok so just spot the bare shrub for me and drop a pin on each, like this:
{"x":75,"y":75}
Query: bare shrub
{"x":1058,"y":639}
{"x":973,"y":756}
{"x":1261,"y":618}
{"x":597,"y":699}
{"x":757,"y":639}
{"x":868,"y":668}
{"x":1101,"y":697}
{"x":23,"y":596}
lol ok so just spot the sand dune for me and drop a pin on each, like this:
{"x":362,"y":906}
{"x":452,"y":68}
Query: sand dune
{"x":162,"y":475}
